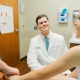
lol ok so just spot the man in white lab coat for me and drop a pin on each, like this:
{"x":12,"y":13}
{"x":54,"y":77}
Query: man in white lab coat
{"x":38,"y":56}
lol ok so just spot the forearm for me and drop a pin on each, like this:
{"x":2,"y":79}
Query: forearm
{"x":41,"y":74}
{"x":3,"y":66}
{"x":33,"y":75}
{"x":7,"y":69}
{"x":70,"y":59}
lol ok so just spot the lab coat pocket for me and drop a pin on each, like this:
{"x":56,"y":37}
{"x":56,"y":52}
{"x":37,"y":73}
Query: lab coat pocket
{"x":55,"y":51}
{"x":56,"y":46}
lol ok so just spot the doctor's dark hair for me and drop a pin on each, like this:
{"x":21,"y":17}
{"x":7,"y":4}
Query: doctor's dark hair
{"x":39,"y":17}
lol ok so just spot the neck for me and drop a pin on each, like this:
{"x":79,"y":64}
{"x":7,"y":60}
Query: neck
{"x":45,"y":33}
{"x":77,"y":35}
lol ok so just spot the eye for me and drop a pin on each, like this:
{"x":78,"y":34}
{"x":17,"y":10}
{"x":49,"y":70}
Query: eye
{"x":41,"y":23}
{"x":45,"y":21}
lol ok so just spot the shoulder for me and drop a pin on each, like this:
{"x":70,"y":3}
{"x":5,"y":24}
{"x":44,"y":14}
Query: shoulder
{"x":35,"y":38}
{"x":55,"y":35}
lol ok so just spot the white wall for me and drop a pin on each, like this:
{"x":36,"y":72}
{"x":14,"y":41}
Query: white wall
{"x":49,"y":7}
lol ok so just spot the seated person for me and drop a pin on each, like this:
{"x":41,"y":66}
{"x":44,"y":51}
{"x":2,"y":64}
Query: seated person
{"x":69,"y":59}
{"x":39,"y":55}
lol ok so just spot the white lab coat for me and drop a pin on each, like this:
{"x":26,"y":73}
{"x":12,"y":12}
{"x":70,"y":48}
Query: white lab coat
{"x":38,"y":57}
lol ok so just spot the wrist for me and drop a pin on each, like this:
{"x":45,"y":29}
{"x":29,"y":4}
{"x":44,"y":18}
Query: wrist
{"x":6,"y":70}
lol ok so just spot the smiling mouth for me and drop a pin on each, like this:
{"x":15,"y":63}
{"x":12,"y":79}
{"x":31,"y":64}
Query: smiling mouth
{"x":45,"y":27}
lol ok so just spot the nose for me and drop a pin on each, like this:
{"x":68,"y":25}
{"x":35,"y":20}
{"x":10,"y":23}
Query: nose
{"x":75,"y":23}
{"x":44,"y":23}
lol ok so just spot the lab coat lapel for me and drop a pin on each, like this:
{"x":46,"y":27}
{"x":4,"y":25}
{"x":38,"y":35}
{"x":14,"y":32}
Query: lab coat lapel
{"x":51,"y":43}
{"x":42,"y":46}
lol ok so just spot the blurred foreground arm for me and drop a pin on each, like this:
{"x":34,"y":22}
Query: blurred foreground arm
{"x":7,"y":69}
{"x":68,"y":60}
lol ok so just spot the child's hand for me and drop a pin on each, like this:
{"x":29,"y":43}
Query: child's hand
{"x":12,"y":71}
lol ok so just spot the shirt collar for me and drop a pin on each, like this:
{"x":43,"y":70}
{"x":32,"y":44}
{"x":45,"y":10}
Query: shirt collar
{"x":47,"y":35}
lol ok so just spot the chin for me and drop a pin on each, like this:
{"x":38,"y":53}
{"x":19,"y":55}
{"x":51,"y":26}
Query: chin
{"x":46,"y":30}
